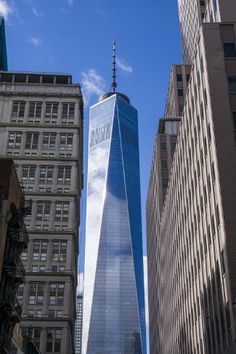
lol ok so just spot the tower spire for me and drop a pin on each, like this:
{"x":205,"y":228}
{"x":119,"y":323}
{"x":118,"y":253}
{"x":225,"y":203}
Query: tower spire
{"x":114,"y":83}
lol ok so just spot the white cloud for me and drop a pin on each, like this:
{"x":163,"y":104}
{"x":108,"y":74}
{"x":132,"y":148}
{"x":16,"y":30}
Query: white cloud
{"x":71,"y":2}
{"x":36,"y":12}
{"x":35,"y":41}
{"x":92,"y":84}
{"x":5,"y":9}
{"x":121,"y":63}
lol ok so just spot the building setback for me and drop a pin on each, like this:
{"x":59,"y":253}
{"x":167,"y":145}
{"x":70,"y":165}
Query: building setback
{"x":41,"y":127}
{"x":178,"y":83}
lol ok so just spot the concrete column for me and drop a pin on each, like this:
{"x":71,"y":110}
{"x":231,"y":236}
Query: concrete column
{"x":43,"y":340}
{"x":69,"y":257}
{"x":46,"y":298}
{"x":29,"y":255}
{"x":49,"y":256}
{"x":67,"y":298}
{"x":25,"y":299}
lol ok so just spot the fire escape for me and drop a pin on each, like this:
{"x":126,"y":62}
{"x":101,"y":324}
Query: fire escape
{"x":12,"y":276}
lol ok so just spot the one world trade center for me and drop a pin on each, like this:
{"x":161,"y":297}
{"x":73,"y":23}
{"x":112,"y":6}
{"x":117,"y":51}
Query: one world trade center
{"x":114,"y":309}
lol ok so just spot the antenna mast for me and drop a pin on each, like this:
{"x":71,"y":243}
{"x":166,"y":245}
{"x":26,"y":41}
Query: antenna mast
{"x":114,"y":83}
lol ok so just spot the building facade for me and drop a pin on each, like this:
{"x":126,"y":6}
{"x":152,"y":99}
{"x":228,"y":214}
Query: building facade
{"x":178,"y":83}
{"x":198,"y":223}
{"x":14,"y":239}
{"x":196,"y":244}
{"x":193,"y":13}
{"x":78,"y":324}
{"x":114,"y":311}
{"x":41,"y":127}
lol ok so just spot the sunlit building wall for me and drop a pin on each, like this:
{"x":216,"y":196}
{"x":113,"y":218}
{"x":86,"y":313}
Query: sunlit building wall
{"x":197,"y":247}
{"x":41,"y":128}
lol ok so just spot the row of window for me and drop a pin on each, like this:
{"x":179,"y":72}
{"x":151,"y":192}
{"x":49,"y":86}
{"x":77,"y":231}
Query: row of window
{"x":54,"y":337}
{"x":42,"y":248}
{"x":37,"y":109}
{"x":37,"y":293}
{"x":50,"y":141}
{"x":46,"y":174}
{"x":44,"y":208}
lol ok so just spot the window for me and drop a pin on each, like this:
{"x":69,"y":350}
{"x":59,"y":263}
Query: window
{"x":53,"y":340}
{"x":36,"y":335}
{"x":35,"y":109}
{"x":32,"y":140}
{"x":18,"y":109}
{"x":20,"y":293}
{"x":232,"y":83}
{"x":36,"y":293}
{"x":163,"y":145}
{"x":43,"y":211}
{"x":28,"y":173}
{"x":179,"y":77}
{"x":24,"y":256}
{"x":59,"y":251}
{"x":56,"y":293}
{"x":51,"y":110}
{"x":40,"y":250}
{"x":49,"y":141}
{"x":46,"y":174}
{"x":68,"y":110}
{"x":14,"y":140}
{"x":66,"y":141}
{"x":229,"y":50}
{"x":64,"y":175}
{"x":62,"y":211}
{"x":180,"y":92}
{"x":164,"y":164}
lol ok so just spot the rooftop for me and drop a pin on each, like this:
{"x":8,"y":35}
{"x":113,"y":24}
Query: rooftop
{"x":35,"y":78}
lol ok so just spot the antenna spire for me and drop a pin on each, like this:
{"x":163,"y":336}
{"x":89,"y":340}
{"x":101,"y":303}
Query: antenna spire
{"x":114,"y":83}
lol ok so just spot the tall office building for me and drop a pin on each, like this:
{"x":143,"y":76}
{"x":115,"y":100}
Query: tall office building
{"x":193,"y":13}
{"x":114,"y":311}
{"x":3,"y":46}
{"x":161,"y":167}
{"x":41,"y":127}
{"x":178,"y":83}
{"x":195,"y":247}
{"x":78,"y":323}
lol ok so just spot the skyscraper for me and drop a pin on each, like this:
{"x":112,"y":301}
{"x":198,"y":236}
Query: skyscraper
{"x":114,"y":311}
{"x":41,"y":128}
{"x":195,"y":239}
{"x":78,"y":323}
{"x":3,"y":46}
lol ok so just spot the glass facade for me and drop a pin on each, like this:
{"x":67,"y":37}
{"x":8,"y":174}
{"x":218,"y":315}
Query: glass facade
{"x":3,"y":49}
{"x":114,"y":311}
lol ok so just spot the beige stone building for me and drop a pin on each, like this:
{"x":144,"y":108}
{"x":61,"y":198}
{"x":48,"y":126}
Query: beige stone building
{"x":41,"y":127}
{"x":161,"y":165}
{"x":193,"y":260}
{"x":178,"y":83}
{"x":196,"y":245}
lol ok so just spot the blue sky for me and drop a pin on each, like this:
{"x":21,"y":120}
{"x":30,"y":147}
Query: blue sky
{"x":75,"y":36}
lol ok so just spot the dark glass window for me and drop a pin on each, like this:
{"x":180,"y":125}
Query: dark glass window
{"x":229,"y":50}
{"x":232,"y":83}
